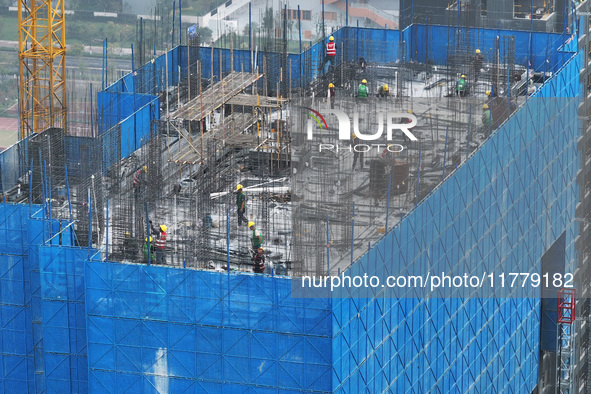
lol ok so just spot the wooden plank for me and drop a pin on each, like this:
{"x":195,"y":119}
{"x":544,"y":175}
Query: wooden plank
{"x":216,"y":96}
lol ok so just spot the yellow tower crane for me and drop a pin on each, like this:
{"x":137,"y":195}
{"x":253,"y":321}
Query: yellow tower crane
{"x":42,"y":58}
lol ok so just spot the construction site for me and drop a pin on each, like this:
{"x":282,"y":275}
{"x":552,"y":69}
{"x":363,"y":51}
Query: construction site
{"x":487,"y":185}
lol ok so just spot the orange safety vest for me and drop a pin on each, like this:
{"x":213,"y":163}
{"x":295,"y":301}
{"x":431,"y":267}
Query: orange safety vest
{"x":331,"y":49}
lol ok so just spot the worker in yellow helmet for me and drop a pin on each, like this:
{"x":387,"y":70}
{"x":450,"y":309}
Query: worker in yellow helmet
{"x":477,"y":64}
{"x":139,"y":179}
{"x":461,"y":86}
{"x":240,"y":204}
{"x":160,"y":245}
{"x":331,"y":95}
{"x":331,"y":53}
{"x":362,"y":90}
{"x":257,"y":237}
{"x":149,"y":251}
{"x":486,"y":118}
{"x":384,"y":91}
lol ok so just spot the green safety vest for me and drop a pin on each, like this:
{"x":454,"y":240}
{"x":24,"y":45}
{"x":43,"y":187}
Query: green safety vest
{"x":486,"y":118}
{"x":362,"y":91}
{"x":146,"y":248}
{"x":461,"y":85}
{"x":240,"y":199}
{"x":257,"y":239}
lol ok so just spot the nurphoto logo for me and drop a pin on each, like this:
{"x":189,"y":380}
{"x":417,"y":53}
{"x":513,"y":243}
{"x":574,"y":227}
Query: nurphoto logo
{"x":394,"y":122}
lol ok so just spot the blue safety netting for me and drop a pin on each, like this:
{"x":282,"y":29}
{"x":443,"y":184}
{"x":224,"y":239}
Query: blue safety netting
{"x":42,"y":317}
{"x":72,"y":325}
{"x":161,"y":329}
{"x":499,"y":212}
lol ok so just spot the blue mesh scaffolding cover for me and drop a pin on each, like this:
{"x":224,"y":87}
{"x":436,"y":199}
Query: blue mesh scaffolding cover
{"x":21,"y":340}
{"x":79,"y":151}
{"x":151,"y":328}
{"x":16,"y":340}
{"x":64,"y":324}
{"x":533,"y":47}
{"x":453,"y":345}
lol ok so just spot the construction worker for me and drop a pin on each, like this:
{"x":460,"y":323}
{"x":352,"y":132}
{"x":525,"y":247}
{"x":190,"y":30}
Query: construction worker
{"x":331,"y":94}
{"x":461,"y":86}
{"x":357,"y":154}
{"x":486,"y":119}
{"x":362,"y":64}
{"x":384,"y":91}
{"x":149,"y":251}
{"x":240,"y":204}
{"x":129,"y":249}
{"x":139,"y":182}
{"x":477,"y":63}
{"x":362,"y":91}
{"x":160,"y":245}
{"x":259,"y":261}
{"x":331,"y":52}
{"x":257,"y":238}
{"x":139,"y":179}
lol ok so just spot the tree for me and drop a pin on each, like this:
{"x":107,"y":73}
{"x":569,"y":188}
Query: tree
{"x":76,"y":49}
{"x":205,"y":34}
{"x":255,"y":26}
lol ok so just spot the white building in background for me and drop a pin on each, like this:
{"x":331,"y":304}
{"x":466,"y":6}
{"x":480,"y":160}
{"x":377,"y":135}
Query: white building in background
{"x":233,"y":16}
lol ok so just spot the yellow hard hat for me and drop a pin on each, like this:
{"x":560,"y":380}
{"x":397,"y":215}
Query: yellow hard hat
{"x":463,"y":76}
{"x":145,"y":168}
{"x":354,"y":135}
{"x":261,"y":249}
{"x":485,"y":106}
{"x":364,"y":81}
{"x":163,"y":227}
{"x":150,"y":239}
{"x":488,"y":92}
{"x":239,"y":186}
{"x":250,"y":224}
{"x":478,"y":51}
{"x":127,"y":234}
{"x":331,"y":38}
{"x":385,"y":86}
{"x":331,"y":85}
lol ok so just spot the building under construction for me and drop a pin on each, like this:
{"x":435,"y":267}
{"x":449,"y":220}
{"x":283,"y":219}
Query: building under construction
{"x":86,"y":307}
